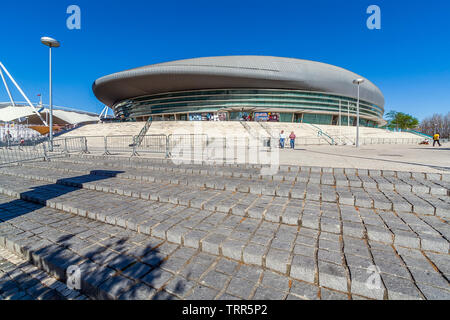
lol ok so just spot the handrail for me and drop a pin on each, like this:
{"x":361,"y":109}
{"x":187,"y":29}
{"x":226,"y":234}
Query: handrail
{"x":264,"y":126}
{"x":247,"y":127}
{"x":138,"y":139}
{"x":320,"y":133}
{"x":419,"y":134}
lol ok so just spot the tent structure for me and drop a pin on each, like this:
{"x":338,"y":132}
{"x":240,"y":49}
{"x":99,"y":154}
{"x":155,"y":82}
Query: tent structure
{"x":21,"y":113}
{"x":37,"y":114}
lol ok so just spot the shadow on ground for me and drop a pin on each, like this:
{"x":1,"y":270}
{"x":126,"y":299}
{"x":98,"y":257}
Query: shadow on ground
{"x":111,"y":268}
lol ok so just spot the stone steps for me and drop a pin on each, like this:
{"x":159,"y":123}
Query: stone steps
{"x":131,"y":247}
{"x":20,"y":280}
{"x":115,"y":263}
{"x":151,"y":224}
{"x":186,"y":196}
{"x":417,"y":195}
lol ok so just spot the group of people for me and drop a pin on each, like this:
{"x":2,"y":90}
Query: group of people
{"x":291,"y":139}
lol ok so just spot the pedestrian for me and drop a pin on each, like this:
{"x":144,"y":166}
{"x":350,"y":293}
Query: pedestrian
{"x":292,"y":140}
{"x":282,"y":139}
{"x":436,"y":138}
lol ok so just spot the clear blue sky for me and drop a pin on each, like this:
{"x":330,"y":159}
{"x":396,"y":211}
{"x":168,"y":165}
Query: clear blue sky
{"x":408,"y":59}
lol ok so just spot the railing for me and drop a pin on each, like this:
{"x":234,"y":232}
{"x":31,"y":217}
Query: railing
{"x":70,"y":144}
{"x":185,"y":143}
{"x":264,"y":126}
{"x":119,"y":144}
{"x":138,"y":139}
{"x":390,"y":140}
{"x":15,"y":153}
{"x":154,"y":143}
{"x":419,"y":134}
{"x":321,"y":133}
{"x":195,"y":146}
{"x":222,"y":149}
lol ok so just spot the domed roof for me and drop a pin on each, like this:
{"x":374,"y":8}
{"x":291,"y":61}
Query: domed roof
{"x":233,"y":72}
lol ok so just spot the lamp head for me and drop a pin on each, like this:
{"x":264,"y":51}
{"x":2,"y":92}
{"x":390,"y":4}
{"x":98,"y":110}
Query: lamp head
{"x":358,"y":81}
{"x":50,"y":42}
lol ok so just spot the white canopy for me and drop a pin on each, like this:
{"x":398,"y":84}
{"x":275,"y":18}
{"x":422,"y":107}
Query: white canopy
{"x":10,"y":113}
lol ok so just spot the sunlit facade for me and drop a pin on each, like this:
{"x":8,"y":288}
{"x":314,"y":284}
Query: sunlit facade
{"x":236,"y":88}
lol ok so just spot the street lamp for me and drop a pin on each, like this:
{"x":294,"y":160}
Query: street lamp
{"x":51,"y":43}
{"x":357,"y":82}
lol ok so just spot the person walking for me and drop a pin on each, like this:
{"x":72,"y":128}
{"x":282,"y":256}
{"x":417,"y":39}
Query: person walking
{"x":282,"y":139}
{"x":292,"y":140}
{"x":436,"y":138}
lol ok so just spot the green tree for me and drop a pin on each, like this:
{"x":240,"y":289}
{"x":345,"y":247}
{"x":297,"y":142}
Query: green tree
{"x":400,"y":120}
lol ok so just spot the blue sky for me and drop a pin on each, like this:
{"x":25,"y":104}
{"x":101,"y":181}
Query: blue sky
{"x":408,"y":59}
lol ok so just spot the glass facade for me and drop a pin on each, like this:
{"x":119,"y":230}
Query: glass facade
{"x":292,"y":105}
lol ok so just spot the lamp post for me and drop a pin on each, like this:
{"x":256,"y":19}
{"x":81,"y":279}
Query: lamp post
{"x":358,"y":83}
{"x":51,"y":43}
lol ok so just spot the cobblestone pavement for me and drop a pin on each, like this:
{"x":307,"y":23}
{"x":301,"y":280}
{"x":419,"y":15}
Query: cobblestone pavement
{"x":150,"y":229}
{"x":20,"y":280}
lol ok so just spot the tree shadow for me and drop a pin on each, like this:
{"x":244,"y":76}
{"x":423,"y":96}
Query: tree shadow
{"x":114,"y":268}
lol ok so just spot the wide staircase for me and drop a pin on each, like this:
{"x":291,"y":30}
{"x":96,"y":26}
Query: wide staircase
{"x":344,"y":135}
{"x":153,"y":229}
{"x":307,"y":134}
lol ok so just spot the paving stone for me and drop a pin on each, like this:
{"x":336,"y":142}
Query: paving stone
{"x":436,"y":244}
{"x":433,"y":293}
{"x":254,"y":253}
{"x":212,"y":243}
{"x":241,"y":288}
{"x":274,"y":280}
{"x":367,"y":283}
{"x":303,"y":268}
{"x":304,"y":290}
{"x":226,"y":266}
{"x":332,"y":276}
{"x":326,"y":294}
{"x":201,"y":292}
{"x":114,"y":287}
{"x":138,"y":292}
{"x":278,"y":260}
{"x":216,"y":280}
{"x":265,"y":293}
{"x":157,"y":278}
{"x":400,"y":288}
{"x":233,"y":249}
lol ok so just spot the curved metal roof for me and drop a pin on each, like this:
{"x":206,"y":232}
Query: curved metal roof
{"x":233,"y":72}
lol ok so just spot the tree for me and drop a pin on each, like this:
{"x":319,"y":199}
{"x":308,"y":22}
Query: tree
{"x":436,"y":123}
{"x":400,"y":120}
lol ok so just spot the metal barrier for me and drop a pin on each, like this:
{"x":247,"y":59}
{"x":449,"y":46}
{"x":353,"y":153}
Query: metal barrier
{"x":153,"y":143}
{"x":119,"y":144}
{"x":20,"y":153}
{"x":70,"y":144}
{"x":369,"y":141}
{"x":95,"y":143}
{"x":194,"y":146}
{"x":186,"y":144}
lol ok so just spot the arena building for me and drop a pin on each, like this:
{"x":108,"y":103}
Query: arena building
{"x":254,"y":88}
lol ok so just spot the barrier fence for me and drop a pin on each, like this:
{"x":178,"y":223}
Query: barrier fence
{"x":153,"y":143}
{"x":70,"y":144}
{"x":192,"y":146}
{"x":20,"y":152}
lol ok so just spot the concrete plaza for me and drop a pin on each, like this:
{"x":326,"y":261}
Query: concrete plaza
{"x":400,"y":157}
{"x":145,"y":228}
